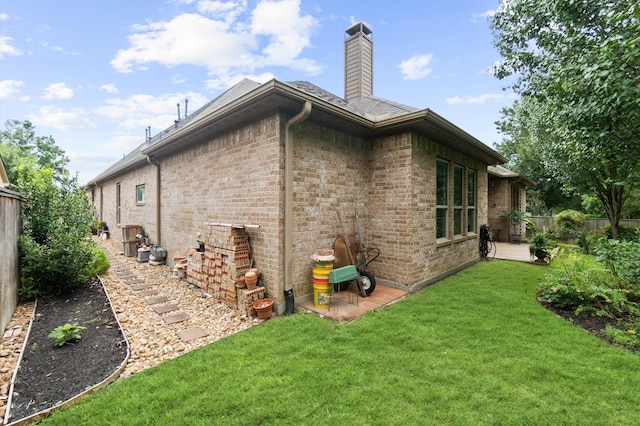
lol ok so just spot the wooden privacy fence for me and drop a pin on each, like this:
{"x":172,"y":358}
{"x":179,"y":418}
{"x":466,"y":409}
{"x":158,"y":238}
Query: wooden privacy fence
{"x":10,"y":225}
{"x":547,"y":222}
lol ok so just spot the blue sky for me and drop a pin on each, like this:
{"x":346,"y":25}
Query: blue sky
{"x":96,"y":74}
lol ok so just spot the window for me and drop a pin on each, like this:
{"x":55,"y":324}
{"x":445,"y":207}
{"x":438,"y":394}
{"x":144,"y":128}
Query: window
{"x":471,"y":201}
{"x":456,"y":213}
{"x":140,"y":194}
{"x":442,"y":198}
{"x":458,"y":181}
{"x":118,"y":203}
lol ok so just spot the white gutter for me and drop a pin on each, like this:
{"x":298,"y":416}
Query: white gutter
{"x":288,"y":194}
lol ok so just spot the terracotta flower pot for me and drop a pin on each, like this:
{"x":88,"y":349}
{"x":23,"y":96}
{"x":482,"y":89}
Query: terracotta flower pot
{"x":251,"y":279}
{"x":264,"y":308}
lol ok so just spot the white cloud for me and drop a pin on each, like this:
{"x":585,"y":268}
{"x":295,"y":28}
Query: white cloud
{"x":137,"y":112}
{"x":9,"y":87}
{"x":275,"y":34}
{"x":223,"y":82}
{"x":225,"y":10}
{"x":288,"y":32}
{"x":57,"y":91}
{"x":60,"y":119}
{"x":3,"y":16}
{"x":7,"y":49}
{"x":124,"y":144}
{"x":416,"y":67}
{"x":109,"y":88}
{"x":476,"y":100}
{"x":483,"y":17}
{"x":46,"y":45}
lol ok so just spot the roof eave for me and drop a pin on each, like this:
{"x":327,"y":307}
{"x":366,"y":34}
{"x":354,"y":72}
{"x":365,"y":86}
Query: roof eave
{"x":414,"y":119}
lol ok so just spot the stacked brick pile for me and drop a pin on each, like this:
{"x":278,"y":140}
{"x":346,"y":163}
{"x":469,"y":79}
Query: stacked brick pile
{"x":226,"y":256}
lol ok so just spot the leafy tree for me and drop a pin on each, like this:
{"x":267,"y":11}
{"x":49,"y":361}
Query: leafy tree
{"x":56,"y":252}
{"x":525,"y":144}
{"x":580,"y":63}
{"x":20,"y":146}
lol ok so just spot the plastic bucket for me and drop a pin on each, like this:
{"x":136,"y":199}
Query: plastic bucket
{"x":321,"y":295}
{"x":323,"y":264}
{"x":322,"y":274}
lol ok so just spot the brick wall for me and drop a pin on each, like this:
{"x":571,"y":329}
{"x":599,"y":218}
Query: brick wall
{"x":330,"y":176}
{"x":238,"y":178}
{"x":131,"y":212}
{"x":430,"y":258}
{"x":499,"y":202}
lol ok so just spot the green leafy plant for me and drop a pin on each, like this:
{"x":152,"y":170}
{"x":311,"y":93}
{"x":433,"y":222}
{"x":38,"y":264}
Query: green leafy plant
{"x":622,"y":260}
{"x":540,"y":245}
{"x":570,"y":221}
{"x":67,"y":333}
{"x":54,"y":248}
{"x":515,"y":218}
{"x":99,"y":264}
{"x":584,"y":285}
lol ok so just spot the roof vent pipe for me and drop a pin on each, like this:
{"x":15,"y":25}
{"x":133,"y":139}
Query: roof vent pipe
{"x":186,"y":103}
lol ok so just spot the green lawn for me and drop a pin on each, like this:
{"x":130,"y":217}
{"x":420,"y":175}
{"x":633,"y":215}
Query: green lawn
{"x":473,"y":349}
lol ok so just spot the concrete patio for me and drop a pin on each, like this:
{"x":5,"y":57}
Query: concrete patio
{"x":508,"y":251}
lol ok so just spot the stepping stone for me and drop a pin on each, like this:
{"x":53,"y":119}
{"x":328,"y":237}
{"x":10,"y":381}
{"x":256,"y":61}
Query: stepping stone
{"x":150,"y":292}
{"x":165,"y":308}
{"x":170,"y":319}
{"x":139,"y":287}
{"x":156,"y":300}
{"x":134,"y":281}
{"x":125,"y":277}
{"x":192,"y":333}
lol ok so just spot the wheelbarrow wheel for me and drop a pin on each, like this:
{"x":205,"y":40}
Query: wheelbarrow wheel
{"x":368,"y":282}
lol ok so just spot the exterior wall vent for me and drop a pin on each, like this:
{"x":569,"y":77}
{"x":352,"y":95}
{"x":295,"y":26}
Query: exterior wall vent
{"x":358,"y":62}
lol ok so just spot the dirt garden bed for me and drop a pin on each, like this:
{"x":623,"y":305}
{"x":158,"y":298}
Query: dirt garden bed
{"x":48,"y":374}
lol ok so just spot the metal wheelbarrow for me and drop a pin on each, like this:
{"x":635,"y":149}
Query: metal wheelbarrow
{"x":357,"y":255}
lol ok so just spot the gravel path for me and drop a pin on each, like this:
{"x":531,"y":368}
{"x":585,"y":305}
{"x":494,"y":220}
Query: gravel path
{"x":151,"y":339}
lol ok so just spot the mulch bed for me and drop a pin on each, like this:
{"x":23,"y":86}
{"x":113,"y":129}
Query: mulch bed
{"x":50,"y":375}
{"x":588,"y":321}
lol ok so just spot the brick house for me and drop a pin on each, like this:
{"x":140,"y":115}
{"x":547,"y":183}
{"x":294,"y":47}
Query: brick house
{"x":507,"y":191}
{"x":287,"y":157}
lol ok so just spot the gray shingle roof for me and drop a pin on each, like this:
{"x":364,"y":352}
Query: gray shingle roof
{"x":372,"y":108}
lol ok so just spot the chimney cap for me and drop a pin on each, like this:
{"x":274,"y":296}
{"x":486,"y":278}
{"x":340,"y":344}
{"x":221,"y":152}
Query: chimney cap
{"x":357,"y":28}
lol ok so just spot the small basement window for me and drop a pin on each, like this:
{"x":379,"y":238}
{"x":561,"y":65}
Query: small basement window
{"x":140,"y":194}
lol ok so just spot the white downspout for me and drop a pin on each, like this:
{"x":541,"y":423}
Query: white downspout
{"x":288,"y":194}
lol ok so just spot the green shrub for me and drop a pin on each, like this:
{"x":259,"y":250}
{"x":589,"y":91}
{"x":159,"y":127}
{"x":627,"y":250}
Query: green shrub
{"x":99,"y":264}
{"x":588,"y":241}
{"x":622,"y":260}
{"x":67,"y":333}
{"x":55,"y":250}
{"x":570,"y":221}
{"x":584,"y":286}
{"x":625,"y":233}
